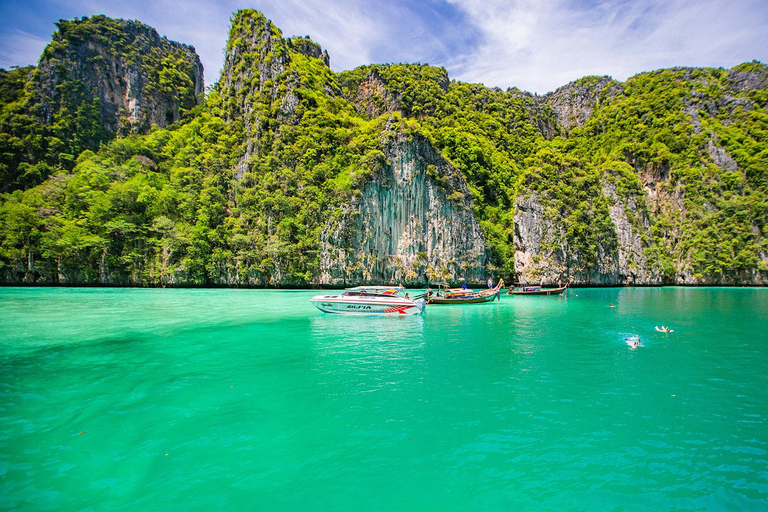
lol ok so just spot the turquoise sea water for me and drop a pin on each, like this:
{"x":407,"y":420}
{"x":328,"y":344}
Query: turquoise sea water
{"x":131,"y":399}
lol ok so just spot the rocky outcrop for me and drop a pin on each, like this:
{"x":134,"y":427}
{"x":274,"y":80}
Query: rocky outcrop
{"x":538,"y":256}
{"x":743,"y":80}
{"x":407,"y":88}
{"x":410,"y":220}
{"x":255,"y":70}
{"x":256,"y":55}
{"x":138,"y":78}
{"x":308,"y":47}
{"x":373,"y":98}
{"x":574,"y":103}
{"x":412,"y":224}
{"x":720,"y":157}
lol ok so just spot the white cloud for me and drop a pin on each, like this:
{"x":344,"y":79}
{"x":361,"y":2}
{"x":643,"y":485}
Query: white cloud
{"x":539,"y":46}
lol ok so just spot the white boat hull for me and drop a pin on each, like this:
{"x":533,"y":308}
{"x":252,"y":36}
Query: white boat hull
{"x":367,"y":306}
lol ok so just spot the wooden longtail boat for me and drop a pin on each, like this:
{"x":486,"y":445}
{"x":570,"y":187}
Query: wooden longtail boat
{"x":447,"y":295}
{"x":537,"y":290}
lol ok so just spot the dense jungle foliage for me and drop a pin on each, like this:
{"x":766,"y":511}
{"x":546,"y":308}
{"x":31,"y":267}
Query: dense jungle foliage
{"x":239,"y":193}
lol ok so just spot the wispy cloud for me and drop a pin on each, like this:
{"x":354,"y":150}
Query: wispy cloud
{"x":536,"y":45}
{"x":20,"y":48}
{"x":357,"y":32}
{"x":342,"y":28}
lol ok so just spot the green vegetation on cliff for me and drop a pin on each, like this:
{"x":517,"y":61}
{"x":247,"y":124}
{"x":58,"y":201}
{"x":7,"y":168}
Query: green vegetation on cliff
{"x":77,"y":98}
{"x":241,"y":190}
{"x":699,"y":146}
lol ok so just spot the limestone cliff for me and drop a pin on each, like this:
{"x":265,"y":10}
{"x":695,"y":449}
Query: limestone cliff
{"x":412,"y":224}
{"x":138,"y":78}
{"x":675,"y":205}
{"x":259,"y":86}
{"x":744,"y":80}
{"x":410,"y":221}
{"x":256,"y":55}
{"x":543,"y":252}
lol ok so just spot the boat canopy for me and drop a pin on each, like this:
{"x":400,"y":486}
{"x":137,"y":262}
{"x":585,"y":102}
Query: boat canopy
{"x":380,"y":290}
{"x":448,"y":287}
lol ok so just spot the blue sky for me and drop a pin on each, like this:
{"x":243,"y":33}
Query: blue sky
{"x":536,"y":45}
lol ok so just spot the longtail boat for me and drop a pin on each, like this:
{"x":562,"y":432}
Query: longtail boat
{"x":537,"y":290}
{"x":447,"y":295}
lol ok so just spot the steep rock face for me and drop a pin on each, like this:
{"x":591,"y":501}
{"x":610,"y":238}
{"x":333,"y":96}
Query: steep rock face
{"x":679,"y":204}
{"x":138,"y":77}
{"x":633,"y":265}
{"x":543,"y":255}
{"x":256,"y":55}
{"x":257,"y":85}
{"x":533,"y":231}
{"x":720,"y":157}
{"x":413,"y":223}
{"x":667,"y":200}
{"x":256,"y":81}
{"x":730,"y":99}
{"x":574,"y":103}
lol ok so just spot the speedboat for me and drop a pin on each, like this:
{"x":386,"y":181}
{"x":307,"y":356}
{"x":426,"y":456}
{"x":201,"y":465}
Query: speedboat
{"x":370,"y":300}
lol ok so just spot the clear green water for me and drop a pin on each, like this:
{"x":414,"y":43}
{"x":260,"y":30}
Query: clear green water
{"x":254,"y":400}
